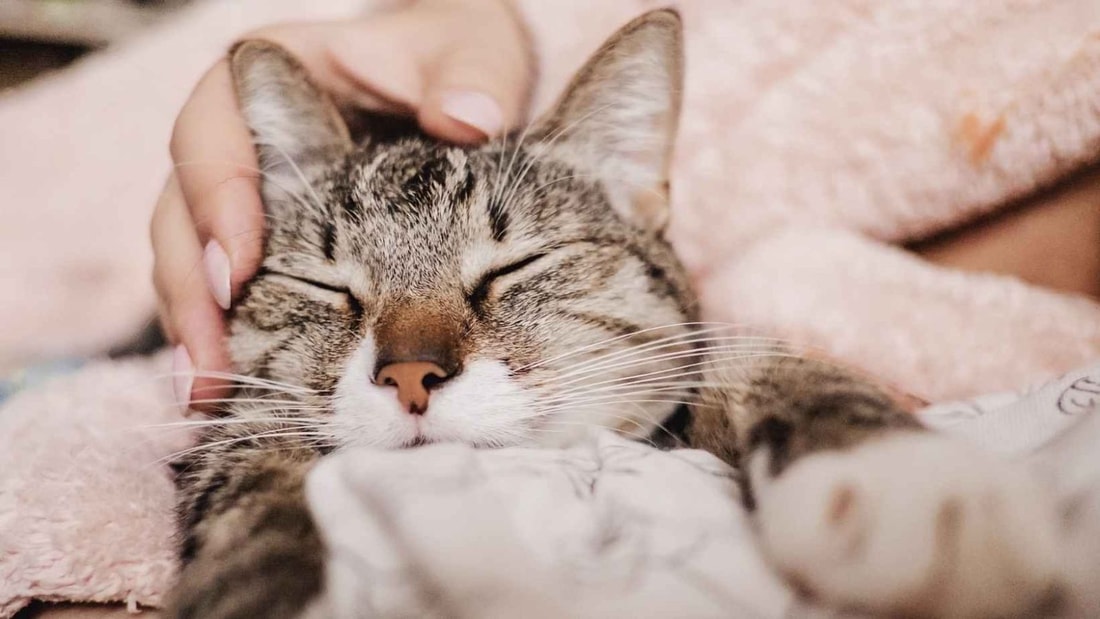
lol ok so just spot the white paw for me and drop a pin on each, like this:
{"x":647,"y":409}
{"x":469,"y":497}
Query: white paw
{"x":914,"y":525}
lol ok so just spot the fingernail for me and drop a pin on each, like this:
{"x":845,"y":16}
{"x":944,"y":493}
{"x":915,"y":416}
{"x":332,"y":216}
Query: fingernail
{"x":183,"y":376}
{"x":217,"y":272}
{"x":475,"y":109}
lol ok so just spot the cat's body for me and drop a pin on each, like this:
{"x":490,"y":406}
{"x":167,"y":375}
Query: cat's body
{"x":521,"y":292}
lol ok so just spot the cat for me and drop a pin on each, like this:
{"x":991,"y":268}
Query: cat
{"x":521,"y":292}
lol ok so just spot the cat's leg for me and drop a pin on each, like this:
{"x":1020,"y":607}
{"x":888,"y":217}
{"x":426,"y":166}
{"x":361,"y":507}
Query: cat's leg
{"x":250,"y":548}
{"x":860,"y":507}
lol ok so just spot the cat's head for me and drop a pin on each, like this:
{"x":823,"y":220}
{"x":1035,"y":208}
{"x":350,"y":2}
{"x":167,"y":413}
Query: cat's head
{"x":497,"y":294}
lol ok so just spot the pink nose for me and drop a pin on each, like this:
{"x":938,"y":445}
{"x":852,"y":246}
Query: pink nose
{"x":414,"y":381}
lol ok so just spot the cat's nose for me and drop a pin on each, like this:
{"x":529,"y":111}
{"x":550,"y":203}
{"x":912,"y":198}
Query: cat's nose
{"x":414,"y":381}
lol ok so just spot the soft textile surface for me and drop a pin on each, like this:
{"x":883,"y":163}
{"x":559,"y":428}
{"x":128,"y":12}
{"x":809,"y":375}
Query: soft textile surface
{"x":85,"y":500}
{"x":814,"y":135}
{"x":617,"y":529}
{"x":610,"y":528}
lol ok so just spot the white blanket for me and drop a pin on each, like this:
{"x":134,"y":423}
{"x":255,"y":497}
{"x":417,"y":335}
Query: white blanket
{"x":618,"y":529}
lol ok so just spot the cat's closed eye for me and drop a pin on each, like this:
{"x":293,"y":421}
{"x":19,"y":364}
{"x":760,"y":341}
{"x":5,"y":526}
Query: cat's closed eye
{"x":480,"y":292}
{"x":327,"y":289}
{"x":308,"y":281}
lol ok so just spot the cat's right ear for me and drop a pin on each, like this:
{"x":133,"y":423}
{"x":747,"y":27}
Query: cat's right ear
{"x":296,"y":128}
{"x":617,"y":119}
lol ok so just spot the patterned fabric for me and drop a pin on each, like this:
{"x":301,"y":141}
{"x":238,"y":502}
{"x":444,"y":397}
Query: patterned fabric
{"x":1021,"y":423}
{"x":615,"y":528}
{"x":611,"y":528}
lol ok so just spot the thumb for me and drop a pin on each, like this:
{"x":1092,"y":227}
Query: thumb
{"x":478,"y":83}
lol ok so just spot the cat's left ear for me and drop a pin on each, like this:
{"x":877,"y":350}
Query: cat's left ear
{"x":618,"y":117}
{"x":297,"y":130}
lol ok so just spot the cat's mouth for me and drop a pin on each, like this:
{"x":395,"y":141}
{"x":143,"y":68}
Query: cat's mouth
{"x":418,"y":441}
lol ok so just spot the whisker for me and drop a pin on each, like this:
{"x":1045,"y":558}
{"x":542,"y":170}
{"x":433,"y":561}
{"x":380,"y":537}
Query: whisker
{"x":269,"y":388}
{"x":586,"y":373}
{"x":260,"y":173}
{"x":614,"y":399}
{"x":280,"y":433}
{"x":297,"y":171}
{"x":678,"y":370}
{"x":235,"y":378}
{"x":698,"y":336}
{"x":546,"y":144}
{"x":680,"y":340}
{"x":617,"y":338}
{"x":687,"y":387}
{"x":264,"y":400}
{"x":201,"y":423}
{"x":501,"y":185}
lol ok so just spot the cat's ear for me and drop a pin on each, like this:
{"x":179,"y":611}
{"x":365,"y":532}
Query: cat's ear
{"x":297,"y":129}
{"x":618,"y":116}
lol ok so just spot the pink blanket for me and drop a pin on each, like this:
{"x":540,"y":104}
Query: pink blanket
{"x":816,"y":136}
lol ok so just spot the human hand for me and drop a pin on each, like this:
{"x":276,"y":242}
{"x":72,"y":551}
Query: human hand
{"x":462,"y":67}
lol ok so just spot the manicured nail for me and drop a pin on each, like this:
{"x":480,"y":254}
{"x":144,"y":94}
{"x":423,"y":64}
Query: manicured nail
{"x":475,"y":109}
{"x":183,"y":376}
{"x":217,"y":272}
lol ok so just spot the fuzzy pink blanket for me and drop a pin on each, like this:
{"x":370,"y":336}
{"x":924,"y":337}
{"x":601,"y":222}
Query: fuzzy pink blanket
{"x":816,"y":137}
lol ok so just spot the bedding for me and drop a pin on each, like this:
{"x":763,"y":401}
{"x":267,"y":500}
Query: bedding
{"x":618,"y":529}
{"x":606,"y":528}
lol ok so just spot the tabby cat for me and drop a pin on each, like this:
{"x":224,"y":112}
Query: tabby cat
{"x":521,"y":292}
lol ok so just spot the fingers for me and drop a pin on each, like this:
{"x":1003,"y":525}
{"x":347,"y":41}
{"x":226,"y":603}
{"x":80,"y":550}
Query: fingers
{"x":478,"y":84}
{"x":217,"y":171}
{"x":390,"y":84}
{"x":188,"y":311}
{"x":207,"y":231}
{"x":465,"y":67}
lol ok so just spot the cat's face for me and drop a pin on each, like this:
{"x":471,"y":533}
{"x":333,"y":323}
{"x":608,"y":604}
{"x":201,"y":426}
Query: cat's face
{"x":492,"y":295}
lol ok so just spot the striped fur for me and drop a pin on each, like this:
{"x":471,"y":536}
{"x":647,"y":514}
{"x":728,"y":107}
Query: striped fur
{"x":532,"y":272}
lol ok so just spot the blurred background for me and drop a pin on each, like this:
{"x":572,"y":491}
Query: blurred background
{"x":42,"y":35}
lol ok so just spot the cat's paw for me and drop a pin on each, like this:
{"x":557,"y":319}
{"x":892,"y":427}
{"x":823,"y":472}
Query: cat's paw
{"x":914,"y":525}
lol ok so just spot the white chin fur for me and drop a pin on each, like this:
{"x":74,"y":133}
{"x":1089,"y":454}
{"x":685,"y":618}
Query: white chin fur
{"x":482,"y":406}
